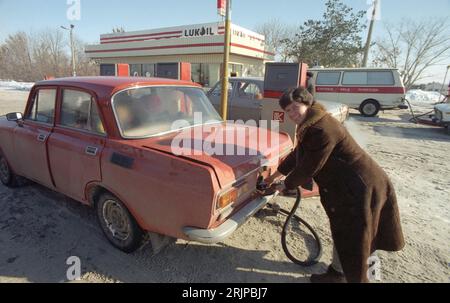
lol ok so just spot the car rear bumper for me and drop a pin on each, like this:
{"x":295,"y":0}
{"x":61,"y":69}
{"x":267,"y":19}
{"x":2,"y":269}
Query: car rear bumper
{"x":223,"y":231}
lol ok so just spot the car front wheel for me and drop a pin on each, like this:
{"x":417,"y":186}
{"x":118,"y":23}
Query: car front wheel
{"x":369,"y":108}
{"x":7,"y":177}
{"x":118,"y":224}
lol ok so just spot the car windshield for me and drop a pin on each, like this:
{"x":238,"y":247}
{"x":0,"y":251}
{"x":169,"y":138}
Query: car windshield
{"x":149,"y":111}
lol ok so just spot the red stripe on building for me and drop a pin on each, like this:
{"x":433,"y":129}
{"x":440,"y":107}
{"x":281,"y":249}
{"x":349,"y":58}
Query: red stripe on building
{"x":256,"y":38}
{"x":139,"y":40}
{"x":143,"y":35}
{"x":252,"y":48}
{"x":177,"y":46}
{"x":155,"y":47}
{"x":360,"y":90}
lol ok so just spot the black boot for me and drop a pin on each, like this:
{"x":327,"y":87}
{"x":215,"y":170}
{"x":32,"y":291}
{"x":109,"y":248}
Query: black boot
{"x":331,"y":276}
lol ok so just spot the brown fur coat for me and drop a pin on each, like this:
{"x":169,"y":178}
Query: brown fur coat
{"x":356,"y":193}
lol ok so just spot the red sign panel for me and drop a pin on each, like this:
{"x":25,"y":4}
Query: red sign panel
{"x":221,"y":7}
{"x":278,"y":116}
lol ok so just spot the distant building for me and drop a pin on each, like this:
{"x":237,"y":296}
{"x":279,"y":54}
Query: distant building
{"x":436,"y":87}
{"x":200,"y":44}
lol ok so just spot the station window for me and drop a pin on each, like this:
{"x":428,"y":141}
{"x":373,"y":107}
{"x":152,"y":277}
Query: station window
{"x":200,"y":74}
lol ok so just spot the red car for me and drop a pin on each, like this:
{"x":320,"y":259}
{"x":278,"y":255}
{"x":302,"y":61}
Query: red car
{"x":108,"y":143}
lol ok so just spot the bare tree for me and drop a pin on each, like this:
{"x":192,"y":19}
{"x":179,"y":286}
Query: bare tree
{"x":31,"y":57}
{"x":85,"y":66}
{"x":15,"y":59}
{"x":413,"y":47}
{"x":275,"y":32}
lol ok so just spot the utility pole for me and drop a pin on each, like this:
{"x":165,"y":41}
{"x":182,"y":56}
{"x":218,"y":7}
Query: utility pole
{"x":369,"y":37}
{"x":226,"y":59}
{"x":72,"y":48}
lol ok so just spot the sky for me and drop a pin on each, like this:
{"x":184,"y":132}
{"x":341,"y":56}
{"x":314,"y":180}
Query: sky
{"x":100,"y":16}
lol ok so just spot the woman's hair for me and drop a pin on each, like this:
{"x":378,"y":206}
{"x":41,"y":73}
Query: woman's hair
{"x":299,"y":95}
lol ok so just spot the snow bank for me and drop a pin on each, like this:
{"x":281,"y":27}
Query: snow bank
{"x":13,"y":85}
{"x":420,"y":97}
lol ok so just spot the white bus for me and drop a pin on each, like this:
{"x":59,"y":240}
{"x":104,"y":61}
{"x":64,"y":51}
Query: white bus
{"x":368,"y":90}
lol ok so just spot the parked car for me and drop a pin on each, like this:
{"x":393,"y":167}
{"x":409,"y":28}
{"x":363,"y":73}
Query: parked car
{"x":245,"y":95}
{"x":106,"y":142}
{"x":368,"y":90}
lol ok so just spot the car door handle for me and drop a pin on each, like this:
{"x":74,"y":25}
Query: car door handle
{"x":91,"y":151}
{"x":41,"y":137}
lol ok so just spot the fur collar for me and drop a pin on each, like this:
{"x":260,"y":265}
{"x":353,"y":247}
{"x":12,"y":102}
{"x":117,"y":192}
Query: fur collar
{"x":314,"y":115}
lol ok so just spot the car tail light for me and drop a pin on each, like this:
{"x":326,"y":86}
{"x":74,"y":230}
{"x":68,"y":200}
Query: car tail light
{"x":227,"y":198}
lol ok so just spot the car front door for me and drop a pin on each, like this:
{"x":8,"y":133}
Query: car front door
{"x":246,"y":103}
{"x":32,"y":135}
{"x":76,"y":144}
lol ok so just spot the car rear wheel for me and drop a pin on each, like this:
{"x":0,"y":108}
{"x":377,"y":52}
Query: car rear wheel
{"x":369,"y":108}
{"x":118,"y":224}
{"x":7,"y":177}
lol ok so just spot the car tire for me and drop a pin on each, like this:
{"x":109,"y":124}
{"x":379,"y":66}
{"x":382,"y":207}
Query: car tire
{"x":118,"y":225}
{"x":7,"y":176}
{"x":369,"y":108}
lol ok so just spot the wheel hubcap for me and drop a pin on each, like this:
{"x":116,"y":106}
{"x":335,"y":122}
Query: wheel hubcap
{"x":4,"y":170}
{"x":116,"y":220}
{"x":370,"y":109}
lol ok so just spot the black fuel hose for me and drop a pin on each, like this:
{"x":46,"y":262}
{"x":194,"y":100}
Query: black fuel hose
{"x":292,"y":216}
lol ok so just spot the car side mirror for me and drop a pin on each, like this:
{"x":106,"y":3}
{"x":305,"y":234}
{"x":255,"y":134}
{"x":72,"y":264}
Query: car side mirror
{"x":14,"y":117}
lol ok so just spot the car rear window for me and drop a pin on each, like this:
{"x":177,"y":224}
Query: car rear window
{"x":79,"y":110}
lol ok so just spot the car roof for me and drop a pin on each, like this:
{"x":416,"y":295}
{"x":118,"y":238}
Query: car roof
{"x":247,"y":79}
{"x":352,"y":69}
{"x":106,"y":86}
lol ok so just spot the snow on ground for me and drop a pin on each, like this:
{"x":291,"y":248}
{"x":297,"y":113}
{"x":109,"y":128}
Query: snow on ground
{"x":13,"y":85}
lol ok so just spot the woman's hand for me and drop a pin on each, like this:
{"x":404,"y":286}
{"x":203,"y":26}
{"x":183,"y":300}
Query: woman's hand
{"x":278,"y":186}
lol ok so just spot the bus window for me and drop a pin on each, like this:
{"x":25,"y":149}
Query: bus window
{"x":355,"y":78}
{"x":328,"y":78}
{"x":380,"y":78}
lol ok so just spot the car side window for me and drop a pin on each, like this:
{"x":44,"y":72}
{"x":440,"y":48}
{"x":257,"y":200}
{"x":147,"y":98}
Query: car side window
{"x":380,"y":78}
{"x":328,"y":78}
{"x":218,"y":89}
{"x":43,"y":108}
{"x":355,"y":78}
{"x":249,"y":91}
{"x":79,"y":110}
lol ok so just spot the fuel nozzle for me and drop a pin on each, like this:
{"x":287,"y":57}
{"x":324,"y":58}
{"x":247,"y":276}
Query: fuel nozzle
{"x":261,"y":184}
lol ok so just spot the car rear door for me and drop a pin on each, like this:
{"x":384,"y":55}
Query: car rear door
{"x":32,"y":135}
{"x":76,"y":144}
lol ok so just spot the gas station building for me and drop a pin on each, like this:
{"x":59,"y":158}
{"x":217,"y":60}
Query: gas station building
{"x":201,"y":45}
